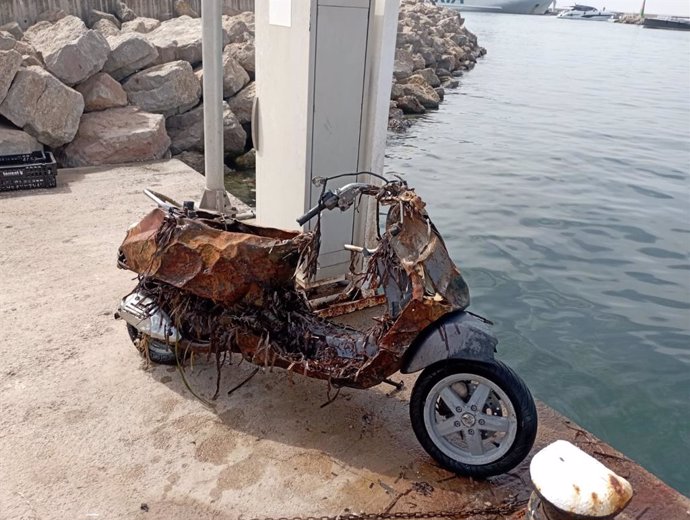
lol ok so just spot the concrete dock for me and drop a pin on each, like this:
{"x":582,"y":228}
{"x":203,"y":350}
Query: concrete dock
{"x":88,"y":431}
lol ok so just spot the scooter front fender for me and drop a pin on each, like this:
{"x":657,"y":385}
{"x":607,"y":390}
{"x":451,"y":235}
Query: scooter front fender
{"x":458,"y":335}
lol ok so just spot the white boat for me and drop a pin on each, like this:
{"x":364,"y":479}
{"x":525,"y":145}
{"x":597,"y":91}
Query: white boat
{"x":585,"y":12}
{"x":499,"y":6}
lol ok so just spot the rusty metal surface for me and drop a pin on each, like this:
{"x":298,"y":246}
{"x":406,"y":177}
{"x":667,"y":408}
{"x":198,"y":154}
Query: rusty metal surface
{"x":232,"y":287}
{"x":339,"y":309}
{"x":232,"y":265}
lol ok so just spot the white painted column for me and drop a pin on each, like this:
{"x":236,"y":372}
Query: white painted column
{"x":215,"y":197}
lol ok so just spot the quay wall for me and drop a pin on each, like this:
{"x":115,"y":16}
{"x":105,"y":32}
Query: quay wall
{"x":25,"y":12}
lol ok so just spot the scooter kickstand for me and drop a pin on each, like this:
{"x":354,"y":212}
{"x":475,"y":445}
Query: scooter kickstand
{"x":398,"y":386}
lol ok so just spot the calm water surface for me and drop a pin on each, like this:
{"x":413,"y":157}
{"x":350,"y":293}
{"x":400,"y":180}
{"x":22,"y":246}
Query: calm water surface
{"x":559,"y":174}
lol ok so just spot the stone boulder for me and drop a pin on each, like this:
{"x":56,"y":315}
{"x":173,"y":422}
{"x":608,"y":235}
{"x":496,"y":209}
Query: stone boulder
{"x":44,"y":107}
{"x":403,"y":65}
{"x":169,"y":89}
{"x":14,"y":141}
{"x":51,"y":16}
{"x":29,"y":54}
{"x":117,"y":135}
{"x":234,"y":136}
{"x":245,"y":54}
{"x":187,"y":132}
{"x":14,"y":29}
{"x":141,"y":25}
{"x":7,"y":41}
{"x":410,"y":105}
{"x":101,"y":92}
{"x":426,"y":95}
{"x":10,"y":61}
{"x":130,"y":52}
{"x":124,"y":13}
{"x":241,"y":104}
{"x":235,"y":28}
{"x":429,"y":76}
{"x":248,"y":18}
{"x":96,"y":15}
{"x":106,"y":28}
{"x":70,"y":51}
{"x":179,"y":39}
{"x":197,"y":161}
{"x":246,"y":161}
{"x":234,"y":75}
{"x":182,"y":8}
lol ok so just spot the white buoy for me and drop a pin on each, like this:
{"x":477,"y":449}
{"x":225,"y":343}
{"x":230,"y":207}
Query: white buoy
{"x":571,"y":484}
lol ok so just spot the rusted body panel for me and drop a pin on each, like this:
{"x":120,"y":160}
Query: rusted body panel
{"x":231,"y":287}
{"x":226,"y":266}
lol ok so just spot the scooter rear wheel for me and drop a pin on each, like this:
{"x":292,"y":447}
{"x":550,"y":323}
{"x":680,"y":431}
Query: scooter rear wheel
{"x":159,"y":353}
{"x":475,"y":419}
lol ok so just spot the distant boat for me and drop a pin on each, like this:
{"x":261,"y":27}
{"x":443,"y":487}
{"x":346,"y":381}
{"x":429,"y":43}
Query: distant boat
{"x":499,"y":6}
{"x":678,"y":24}
{"x":585,"y":12}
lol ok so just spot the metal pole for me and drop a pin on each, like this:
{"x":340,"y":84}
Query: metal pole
{"x":215,"y":197}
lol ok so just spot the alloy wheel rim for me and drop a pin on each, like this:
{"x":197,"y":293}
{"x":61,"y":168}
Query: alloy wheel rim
{"x":470,"y":419}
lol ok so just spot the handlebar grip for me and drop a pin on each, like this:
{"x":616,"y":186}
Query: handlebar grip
{"x":310,"y":214}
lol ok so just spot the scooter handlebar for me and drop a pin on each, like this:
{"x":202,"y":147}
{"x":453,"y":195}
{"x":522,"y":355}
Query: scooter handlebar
{"x":343,"y":197}
{"x":310,"y":214}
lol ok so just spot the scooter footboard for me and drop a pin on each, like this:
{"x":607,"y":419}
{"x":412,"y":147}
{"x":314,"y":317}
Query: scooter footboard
{"x":459,"y":335}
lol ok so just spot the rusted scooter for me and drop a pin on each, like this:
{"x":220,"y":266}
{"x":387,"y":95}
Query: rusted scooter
{"x":213,"y":285}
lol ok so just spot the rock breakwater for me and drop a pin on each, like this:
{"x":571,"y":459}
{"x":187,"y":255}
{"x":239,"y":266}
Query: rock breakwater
{"x":118,"y":88}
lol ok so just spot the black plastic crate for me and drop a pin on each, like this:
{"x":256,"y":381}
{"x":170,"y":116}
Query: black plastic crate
{"x":27,"y":171}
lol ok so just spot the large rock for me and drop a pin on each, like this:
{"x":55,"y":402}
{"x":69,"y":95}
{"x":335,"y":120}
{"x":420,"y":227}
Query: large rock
{"x":141,"y":25}
{"x":182,"y":8}
{"x":117,"y":135}
{"x":187,"y":132}
{"x":45,"y":108}
{"x":245,"y":54}
{"x":106,"y":28}
{"x":197,"y":161}
{"x":124,"y":13}
{"x":426,"y":95}
{"x":10,"y":61}
{"x":101,"y":92}
{"x":169,"y":89}
{"x":51,"y":16}
{"x":234,"y":75}
{"x":14,"y":141}
{"x":410,"y":105}
{"x":7,"y":41}
{"x":129,"y":53}
{"x":241,"y":105}
{"x":234,"y":136}
{"x":179,"y":39}
{"x":70,"y":51}
{"x":96,"y":15}
{"x":29,"y":54}
{"x":429,"y":76}
{"x":403,"y":64}
{"x":246,"y":161}
{"x":14,"y":29}
{"x":235,"y":28}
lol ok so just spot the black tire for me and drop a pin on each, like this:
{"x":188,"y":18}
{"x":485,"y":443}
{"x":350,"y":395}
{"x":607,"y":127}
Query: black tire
{"x":514,"y":388}
{"x":159,"y":352}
